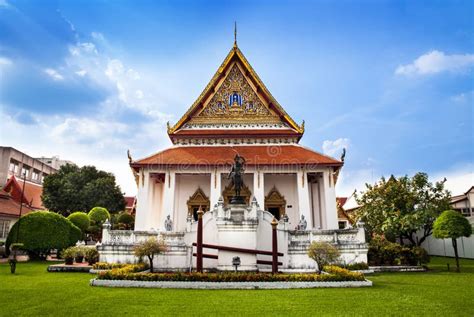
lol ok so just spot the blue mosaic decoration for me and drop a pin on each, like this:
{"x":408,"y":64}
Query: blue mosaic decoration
{"x":235,"y":98}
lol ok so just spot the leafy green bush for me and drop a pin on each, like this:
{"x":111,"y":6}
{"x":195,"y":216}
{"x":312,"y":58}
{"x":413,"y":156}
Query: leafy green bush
{"x":354,"y":266}
{"x":125,"y":221}
{"x":80,"y":219}
{"x":129,"y":272}
{"x":98,"y":215}
{"x":108,"y":266}
{"x":91,"y":255}
{"x":42,"y":231}
{"x":68,"y":255}
{"x":383,"y":252}
{"x":323,"y":253}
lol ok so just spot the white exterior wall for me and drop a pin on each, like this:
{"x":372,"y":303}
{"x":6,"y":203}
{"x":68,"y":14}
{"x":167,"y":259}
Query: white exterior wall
{"x":303,"y":196}
{"x":317,"y":203}
{"x":330,"y":201}
{"x":142,"y":212}
{"x":286,"y":186}
{"x":186,"y":186}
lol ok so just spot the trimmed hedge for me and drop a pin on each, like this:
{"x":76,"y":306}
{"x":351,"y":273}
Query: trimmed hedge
{"x":129,"y":272}
{"x":108,"y":266}
{"x":42,"y":231}
{"x":98,"y":215}
{"x":80,"y":219}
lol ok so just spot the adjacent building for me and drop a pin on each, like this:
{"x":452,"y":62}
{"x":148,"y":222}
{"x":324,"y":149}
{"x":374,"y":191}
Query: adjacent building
{"x":16,"y":163}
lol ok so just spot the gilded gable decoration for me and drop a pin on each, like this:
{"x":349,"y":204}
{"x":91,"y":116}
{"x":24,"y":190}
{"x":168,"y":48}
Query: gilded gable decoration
{"x":235,"y":100}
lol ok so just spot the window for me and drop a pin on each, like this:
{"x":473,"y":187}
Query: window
{"x":13,"y":166}
{"x":4,"y":228}
{"x":342,"y":224}
{"x":25,"y":171}
{"x":35,"y":175}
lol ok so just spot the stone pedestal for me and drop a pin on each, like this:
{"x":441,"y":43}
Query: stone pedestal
{"x":237,"y":232}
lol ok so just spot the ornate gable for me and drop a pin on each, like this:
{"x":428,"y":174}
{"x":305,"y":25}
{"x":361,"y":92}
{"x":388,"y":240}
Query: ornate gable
{"x":235,"y":95}
{"x":235,"y":101}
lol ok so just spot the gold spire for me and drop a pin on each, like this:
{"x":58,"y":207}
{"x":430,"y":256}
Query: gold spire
{"x":235,"y":34}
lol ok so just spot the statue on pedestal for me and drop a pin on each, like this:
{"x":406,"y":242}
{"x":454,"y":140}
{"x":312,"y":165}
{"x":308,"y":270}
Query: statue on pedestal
{"x":302,"y":224}
{"x":236,"y":174}
{"x":168,"y":223}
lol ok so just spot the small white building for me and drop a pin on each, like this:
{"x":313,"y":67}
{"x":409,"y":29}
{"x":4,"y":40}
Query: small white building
{"x":236,"y":114}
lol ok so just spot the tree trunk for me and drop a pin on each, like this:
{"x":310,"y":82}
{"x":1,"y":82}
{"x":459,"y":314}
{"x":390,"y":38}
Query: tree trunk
{"x":150,"y":258}
{"x":455,"y":246}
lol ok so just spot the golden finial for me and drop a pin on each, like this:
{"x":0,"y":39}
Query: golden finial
{"x":168,"y":127}
{"x":235,"y":34}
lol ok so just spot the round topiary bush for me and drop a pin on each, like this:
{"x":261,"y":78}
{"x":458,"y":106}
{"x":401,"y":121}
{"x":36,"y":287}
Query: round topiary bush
{"x":126,"y":220}
{"x":80,"y":219}
{"x":42,"y":231}
{"x":98,"y":215}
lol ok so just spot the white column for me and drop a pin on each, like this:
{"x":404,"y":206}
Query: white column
{"x":141,"y":217}
{"x":168,"y":198}
{"x":330,"y":209}
{"x":259,"y":188}
{"x":303,"y":197}
{"x":216,"y":190}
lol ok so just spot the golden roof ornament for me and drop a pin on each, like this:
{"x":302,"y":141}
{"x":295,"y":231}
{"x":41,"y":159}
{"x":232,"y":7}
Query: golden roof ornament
{"x":235,"y":34}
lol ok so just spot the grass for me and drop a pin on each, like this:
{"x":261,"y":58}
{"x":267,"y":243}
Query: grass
{"x":33,"y":291}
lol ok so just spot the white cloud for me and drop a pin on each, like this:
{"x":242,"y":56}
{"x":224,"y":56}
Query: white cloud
{"x":53,"y":74}
{"x":463,"y":97}
{"x":437,"y":62}
{"x":333,"y":148}
{"x":4,"y":3}
{"x":81,"y":73}
{"x":458,"y":178}
{"x":5,"y":61}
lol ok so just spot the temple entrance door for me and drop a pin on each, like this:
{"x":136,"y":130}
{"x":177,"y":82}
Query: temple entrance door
{"x":275,"y":203}
{"x":275,"y":211}
{"x":196,"y":201}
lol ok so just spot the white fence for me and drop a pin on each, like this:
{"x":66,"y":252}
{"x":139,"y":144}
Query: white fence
{"x":444,"y":247}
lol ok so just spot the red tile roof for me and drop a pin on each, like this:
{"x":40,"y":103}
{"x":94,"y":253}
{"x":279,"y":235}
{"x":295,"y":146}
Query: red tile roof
{"x":341,"y":201}
{"x":9,"y":207}
{"x":129,"y":201}
{"x":31,"y":196}
{"x":224,"y":155}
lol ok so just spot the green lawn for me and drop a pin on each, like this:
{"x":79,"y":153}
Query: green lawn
{"x":33,"y":291}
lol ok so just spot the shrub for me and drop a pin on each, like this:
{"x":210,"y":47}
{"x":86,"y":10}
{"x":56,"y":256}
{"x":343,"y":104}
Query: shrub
{"x":69,"y":255}
{"x":92,"y":255}
{"x":355,"y":266}
{"x":323,"y":253}
{"x":108,"y":266}
{"x":384,"y":252}
{"x":125,"y":221}
{"x":98,"y":215}
{"x":129,"y":272}
{"x":150,"y":248}
{"x":80,"y":219}
{"x":42,"y":231}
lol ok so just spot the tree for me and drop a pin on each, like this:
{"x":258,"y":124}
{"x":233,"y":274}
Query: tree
{"x":323,"y":253}
{"x":81,"y":220}
{"x":42,"y":231}
{"x":150,"y":248}
{"x":75,"y":188}
{"x":400,"y":207}
{"x":451,"y":224}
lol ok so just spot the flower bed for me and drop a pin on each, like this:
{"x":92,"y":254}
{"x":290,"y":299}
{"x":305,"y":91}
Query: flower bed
{"x":334,"y":274}
{"x":110,"y":266}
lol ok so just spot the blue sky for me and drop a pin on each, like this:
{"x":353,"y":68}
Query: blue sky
{"x":391,"y":81}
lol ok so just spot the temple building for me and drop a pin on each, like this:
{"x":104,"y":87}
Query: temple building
{"x":283,"y":180}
